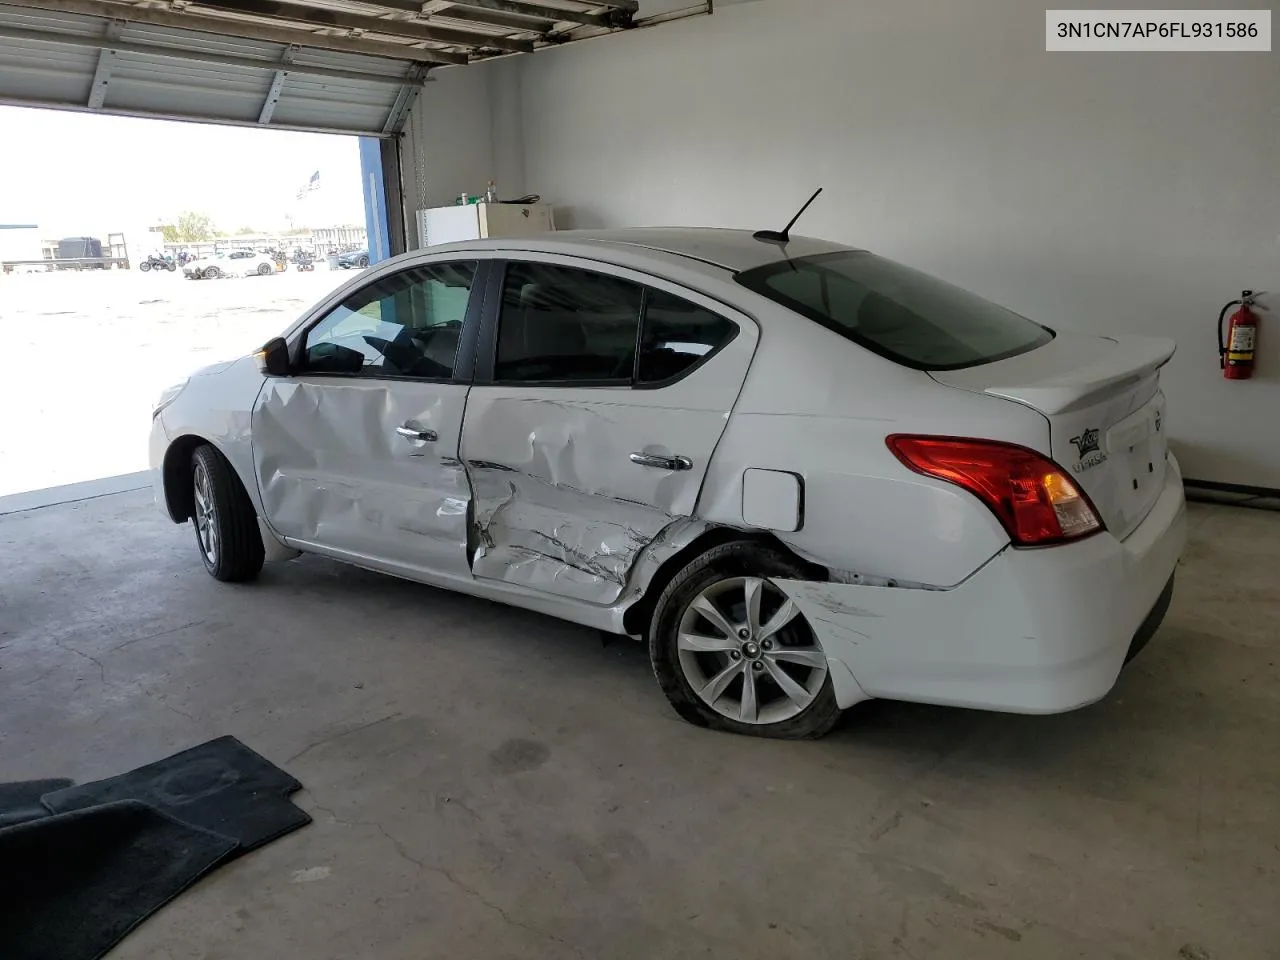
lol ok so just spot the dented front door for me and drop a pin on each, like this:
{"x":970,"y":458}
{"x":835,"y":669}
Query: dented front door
{"x":356,"y":454}
{"x":367,"y":469}
{"x":570,"y":481}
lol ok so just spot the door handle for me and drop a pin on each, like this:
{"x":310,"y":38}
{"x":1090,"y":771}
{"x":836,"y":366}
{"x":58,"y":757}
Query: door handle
{"x":662,"y":463}
{"x":413,"y":433}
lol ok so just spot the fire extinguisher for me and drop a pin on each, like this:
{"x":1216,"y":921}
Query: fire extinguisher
{"x":1236,"y":353}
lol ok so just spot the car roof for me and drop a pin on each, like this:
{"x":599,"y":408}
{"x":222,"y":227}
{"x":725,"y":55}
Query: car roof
{"x":733,"y":250}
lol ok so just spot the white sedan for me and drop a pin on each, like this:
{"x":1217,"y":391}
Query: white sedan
{"x":236,"y":263}
{"x":803,"y":474}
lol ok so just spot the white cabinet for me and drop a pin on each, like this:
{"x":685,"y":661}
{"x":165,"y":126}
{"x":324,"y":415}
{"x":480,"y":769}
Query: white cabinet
{"x":476,"y":221}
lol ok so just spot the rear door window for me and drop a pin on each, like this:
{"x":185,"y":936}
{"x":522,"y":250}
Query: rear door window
{"x":562,"y":324}
{"x":677,"y":336}
{"x":895,"y":311}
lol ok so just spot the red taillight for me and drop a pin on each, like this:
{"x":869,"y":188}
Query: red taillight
{"x":1036,"y":502}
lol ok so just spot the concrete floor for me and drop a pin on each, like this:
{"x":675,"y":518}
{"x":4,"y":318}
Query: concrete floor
{"x":489,"y":783}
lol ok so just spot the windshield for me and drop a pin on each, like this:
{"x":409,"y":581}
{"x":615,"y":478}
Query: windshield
{"x":900,"y":313}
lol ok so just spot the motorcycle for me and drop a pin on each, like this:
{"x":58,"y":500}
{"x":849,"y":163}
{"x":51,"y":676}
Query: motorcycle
{"x":304,"y":262}
{"x":154,"y":262}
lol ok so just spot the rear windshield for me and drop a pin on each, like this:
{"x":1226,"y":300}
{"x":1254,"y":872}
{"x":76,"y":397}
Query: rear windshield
{"x":900,"y":313}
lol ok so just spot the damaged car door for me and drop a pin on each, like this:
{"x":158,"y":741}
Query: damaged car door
{"x":356,"y":451}
{"x":599,"y":399}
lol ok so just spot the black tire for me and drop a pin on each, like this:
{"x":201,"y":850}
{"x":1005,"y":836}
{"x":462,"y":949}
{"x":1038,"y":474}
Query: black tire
{"x":363,"y":262}
{"x":212,"y":273}
{"x":264,"y":270}
{"x":239,"y":554}
{"x":736,"y":559}
{"x":144,"y":266}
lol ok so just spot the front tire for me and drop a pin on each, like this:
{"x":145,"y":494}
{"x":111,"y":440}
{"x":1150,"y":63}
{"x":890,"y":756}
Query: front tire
{"x":264,"y":270}
{"x":212,"y":273}
{"x":363,"y":262}
{"x":732,"y":653}
{"x":225,"y":521}
{"x":144,"y":266}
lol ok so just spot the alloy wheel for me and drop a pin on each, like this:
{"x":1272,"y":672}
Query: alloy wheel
{"x":747,"y":653}
{"x":206,"y":516}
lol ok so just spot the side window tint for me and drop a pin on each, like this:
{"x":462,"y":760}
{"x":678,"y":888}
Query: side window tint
{"x":677,"y":335}
{"x":404,"y":325}
{"x":561,"y":323}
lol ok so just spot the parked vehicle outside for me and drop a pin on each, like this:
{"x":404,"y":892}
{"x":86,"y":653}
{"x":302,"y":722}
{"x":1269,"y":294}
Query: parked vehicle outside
{"x":155,"y":262}
{"x":803,"y":474}
{"x":235,"y":263}
{"x":353,"y":259}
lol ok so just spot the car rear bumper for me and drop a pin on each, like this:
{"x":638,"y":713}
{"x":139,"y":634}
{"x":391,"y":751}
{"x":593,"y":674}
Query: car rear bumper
{"x":1032,"y":631}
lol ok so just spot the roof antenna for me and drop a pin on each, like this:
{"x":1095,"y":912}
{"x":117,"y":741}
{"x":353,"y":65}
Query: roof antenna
{"x":784,"y":235}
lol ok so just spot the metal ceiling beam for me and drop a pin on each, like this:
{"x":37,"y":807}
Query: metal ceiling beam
{"x":296,"y":11}
{"x":102,"y":73}
{"x":272,"y":98}
{"x":492,"y":18}
{"x":526,"y":23}
{"x":399,"y":111}
{"x":615,"y":18}
{"x":277,"y":83}
{"x":225,"y":26}
{"x":177,"y":53}
{"x":101,"y":76}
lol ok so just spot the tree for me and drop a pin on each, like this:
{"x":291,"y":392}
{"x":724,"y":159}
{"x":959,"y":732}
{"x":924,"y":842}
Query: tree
{"x":246,"y":232}
{"x":191,"y":227}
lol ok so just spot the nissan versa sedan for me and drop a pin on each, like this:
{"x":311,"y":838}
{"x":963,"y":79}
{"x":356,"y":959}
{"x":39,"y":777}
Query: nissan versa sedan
{"x":803,"y":474}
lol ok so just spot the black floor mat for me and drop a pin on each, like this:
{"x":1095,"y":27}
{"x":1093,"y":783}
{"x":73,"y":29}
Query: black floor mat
{"x":74,"y":882}
{"x":20,"y":802}
{"x":221,"y":786}
{"x":72,"y":885}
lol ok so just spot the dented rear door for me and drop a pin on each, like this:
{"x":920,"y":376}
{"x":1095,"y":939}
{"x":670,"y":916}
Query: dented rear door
{"x":578,"y":456}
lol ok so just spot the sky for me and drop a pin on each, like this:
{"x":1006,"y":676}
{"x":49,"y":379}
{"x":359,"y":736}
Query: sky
{"x":87,"y":174}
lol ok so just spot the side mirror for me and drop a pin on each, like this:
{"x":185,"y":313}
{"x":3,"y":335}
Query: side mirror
{"x":273,"y":358}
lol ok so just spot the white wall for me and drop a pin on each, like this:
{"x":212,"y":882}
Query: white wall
{"x":1107,"y":192}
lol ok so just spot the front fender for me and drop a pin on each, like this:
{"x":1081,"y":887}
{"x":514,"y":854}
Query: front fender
{"x":217,"y":407}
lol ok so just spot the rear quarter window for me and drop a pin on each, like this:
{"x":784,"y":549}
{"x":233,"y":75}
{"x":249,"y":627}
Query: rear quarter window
{"x":900,"y":313}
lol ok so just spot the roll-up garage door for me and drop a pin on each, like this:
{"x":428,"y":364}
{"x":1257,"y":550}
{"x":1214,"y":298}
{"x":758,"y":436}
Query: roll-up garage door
{"x":346,"y":66}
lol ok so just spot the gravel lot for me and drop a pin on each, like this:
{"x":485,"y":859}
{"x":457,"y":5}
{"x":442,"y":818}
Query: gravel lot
{"x":98,"y":347}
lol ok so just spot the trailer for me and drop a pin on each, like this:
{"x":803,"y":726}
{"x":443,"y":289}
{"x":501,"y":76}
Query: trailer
{"x":80,"y":253}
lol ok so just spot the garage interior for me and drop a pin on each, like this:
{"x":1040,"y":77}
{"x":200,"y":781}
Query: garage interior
{"x":484,"y":781}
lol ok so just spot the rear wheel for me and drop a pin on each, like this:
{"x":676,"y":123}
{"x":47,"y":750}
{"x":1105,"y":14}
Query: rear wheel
{"x":225,"y":521}
{"x":212,"y":273}
{"x":733,"y":653}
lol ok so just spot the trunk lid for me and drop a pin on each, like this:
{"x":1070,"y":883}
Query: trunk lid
{"x":1101,"y":397}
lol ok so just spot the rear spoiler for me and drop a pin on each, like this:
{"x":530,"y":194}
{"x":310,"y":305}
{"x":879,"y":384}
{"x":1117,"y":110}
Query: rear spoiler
{"x":1132,"y":361}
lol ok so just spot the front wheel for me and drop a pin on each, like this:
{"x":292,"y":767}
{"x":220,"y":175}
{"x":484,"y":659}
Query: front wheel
{"x":225,"y":521}
{"x":144,"y":266}
{"x":212,"y":273}
{"x":733,"y":653}
{"x":264,"y":270}
{"x":363,"y":262}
